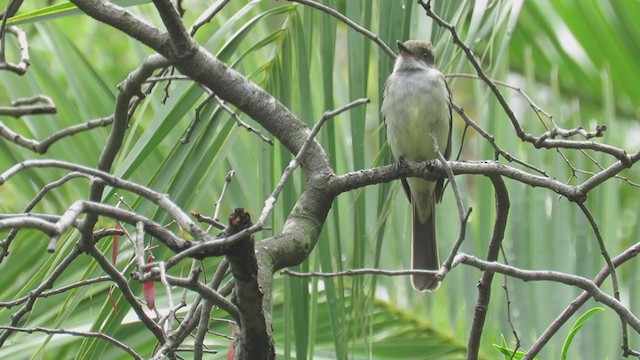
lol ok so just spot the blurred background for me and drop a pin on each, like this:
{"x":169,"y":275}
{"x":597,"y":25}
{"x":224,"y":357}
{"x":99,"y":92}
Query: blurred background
{"x":576,"y":60}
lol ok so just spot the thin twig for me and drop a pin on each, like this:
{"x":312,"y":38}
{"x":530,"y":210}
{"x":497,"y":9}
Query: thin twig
{"x":271,"y":200}
{"x":375,"y":38}
{"x":446,"y":265}
{"x":612,"y":268}
{"x":492,"y":141}
{"x":548,"y":143}
{"x":155,"y":79}
{"x":41,"y":147}
{"x":207,"y":15}
{"x":207,"y":220}
{"x":356,"y":272}
{"x":88,"y":334}
{"x":36,"y":105}
{"x":452,"y":180}
{"x":192,"y":126}
{"x":159,"y":199}
{"x":519,"y":90}
{"x":167,"y":289}
{"x":218,"y":204}
{"x":505,"y":287}
{"x":240,"y":122}
{"x":35,"y":293}
{"x":554,"y":276}
{"x":21,"y":67}
{"x":57,"y":291}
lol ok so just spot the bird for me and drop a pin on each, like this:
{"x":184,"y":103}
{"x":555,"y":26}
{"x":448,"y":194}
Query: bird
{"x":416,"y":108}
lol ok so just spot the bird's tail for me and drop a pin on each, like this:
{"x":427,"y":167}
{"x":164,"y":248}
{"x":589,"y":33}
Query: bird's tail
{"x":424,"y":249}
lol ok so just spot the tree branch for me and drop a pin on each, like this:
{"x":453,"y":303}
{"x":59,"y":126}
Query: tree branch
{"x":98,"y":335}
{"x":546,"y":275}
{"x":484,"y":286}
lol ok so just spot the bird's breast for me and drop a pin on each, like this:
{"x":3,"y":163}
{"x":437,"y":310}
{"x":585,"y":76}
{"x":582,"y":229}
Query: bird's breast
{"x":416,"y":108}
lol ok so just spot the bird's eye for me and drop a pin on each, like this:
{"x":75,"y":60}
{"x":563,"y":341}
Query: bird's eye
{"x":425,"y":55}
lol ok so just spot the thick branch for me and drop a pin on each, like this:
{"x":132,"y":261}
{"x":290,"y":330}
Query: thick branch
{"x":254,"y":339}
{"x":225,"y":82}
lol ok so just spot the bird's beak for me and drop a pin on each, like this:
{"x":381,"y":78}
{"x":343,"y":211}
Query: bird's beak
{"x":402,"y":48}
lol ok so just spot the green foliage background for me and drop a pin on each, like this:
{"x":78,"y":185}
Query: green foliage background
{"x":576,"y":59}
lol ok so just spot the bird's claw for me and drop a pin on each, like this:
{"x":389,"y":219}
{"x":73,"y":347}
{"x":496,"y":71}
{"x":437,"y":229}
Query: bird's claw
{"x":401,"y":164}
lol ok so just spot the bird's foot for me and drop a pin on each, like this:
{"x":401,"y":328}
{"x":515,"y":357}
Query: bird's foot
{"x":431,"y":165}
{"x":401,"y":164}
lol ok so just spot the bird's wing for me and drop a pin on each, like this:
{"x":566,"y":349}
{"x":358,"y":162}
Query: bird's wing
{"x":440,"y":184}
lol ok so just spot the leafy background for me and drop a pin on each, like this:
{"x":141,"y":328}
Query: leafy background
{"x":576,"y":59}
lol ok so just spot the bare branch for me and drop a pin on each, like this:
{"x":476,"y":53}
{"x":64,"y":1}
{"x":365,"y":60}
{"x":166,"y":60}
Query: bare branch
{"x":21,"y":67}
{"x":35,"y":293}
{"x":531,"y":103}
{"x":60,"y":290}
{"x":36,"y":105}
{"x":356,"y":272}
{"x":553,"y":328}
{"x":202,"y":329}
{"x":612,"y":269}
{"x":227,"y":181}
{"x":241,"y":123}
{"x":268,"y":204}
{"x":125,"y":21}
{"x":430,"y":171}
{"x":159,"y":199}
{"x":4,"y":244}
{"x":547,"y":275}
{"x":181,"y":42}
{"x":207,"y":220}
{"x":538,"y":142}
{"x":446,"y":265}
{"x":89,"y":334}
{"x":492,"y":140}
{"x":207,"y":15}
{"x":123,"y":285}
{"x":493,"y":251}
{"x":505,"y":287}
{"x":375,"y":38}
{"x":41,"y":147}
{"x":207,"y":293}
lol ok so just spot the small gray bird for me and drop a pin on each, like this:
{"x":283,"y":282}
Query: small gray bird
{"x":417,"y":109}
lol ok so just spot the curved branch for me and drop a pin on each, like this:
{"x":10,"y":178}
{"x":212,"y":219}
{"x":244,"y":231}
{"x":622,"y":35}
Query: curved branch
{"x":225,"y":82}
{"x":561,"y":319}
{"x":98,"y":335}
{"x":41,"y":147}
{"x":546,"y":275}
{"x":159,"y":199}
{"x":544,"y":141}
{"x":123,"y":285}
{"x":484,"y":286}
{"x":430,"y":170}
